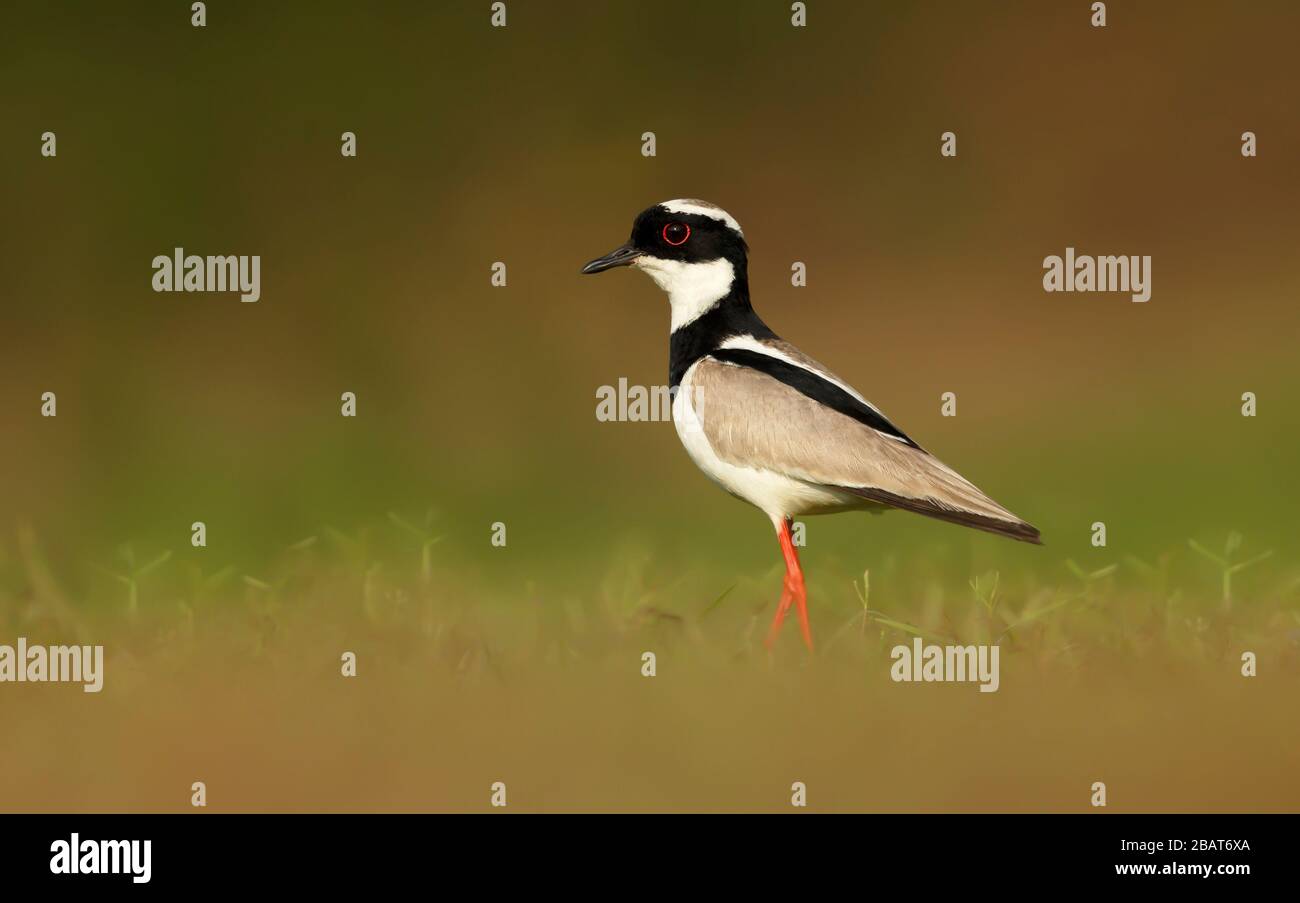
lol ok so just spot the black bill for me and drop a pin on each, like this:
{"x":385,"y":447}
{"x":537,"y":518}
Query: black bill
{"x":619,"y":257}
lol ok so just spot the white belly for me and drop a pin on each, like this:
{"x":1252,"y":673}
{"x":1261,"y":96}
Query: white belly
{"x":776,"y":494}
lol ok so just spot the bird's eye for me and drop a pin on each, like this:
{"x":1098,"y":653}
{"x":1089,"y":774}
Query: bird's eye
{"x":676,"y":233}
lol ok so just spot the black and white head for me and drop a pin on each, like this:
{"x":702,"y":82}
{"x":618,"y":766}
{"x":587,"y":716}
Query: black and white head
{"x":694,"y":250}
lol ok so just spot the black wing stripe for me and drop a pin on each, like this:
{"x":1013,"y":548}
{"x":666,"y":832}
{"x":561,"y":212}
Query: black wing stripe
{"x":808,"y":383}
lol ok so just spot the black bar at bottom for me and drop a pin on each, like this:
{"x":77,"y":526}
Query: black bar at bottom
{"x":627,"y":853}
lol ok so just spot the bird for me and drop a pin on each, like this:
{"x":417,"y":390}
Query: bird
{"x":768,"y":423}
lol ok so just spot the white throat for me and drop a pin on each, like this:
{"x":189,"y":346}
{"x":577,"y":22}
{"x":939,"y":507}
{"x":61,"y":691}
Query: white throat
{"x":693,"y":288}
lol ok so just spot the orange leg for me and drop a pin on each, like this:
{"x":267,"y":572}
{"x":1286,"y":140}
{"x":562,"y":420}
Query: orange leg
{"x":787,"y":596}
{"x":792,"y":590}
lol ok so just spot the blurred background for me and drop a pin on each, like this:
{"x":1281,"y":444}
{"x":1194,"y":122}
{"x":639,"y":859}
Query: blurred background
{"x":476,"y":404}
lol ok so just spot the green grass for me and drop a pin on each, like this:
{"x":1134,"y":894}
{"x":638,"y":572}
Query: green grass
{"x":1125,"y":669}
{"x":1188,"y":603}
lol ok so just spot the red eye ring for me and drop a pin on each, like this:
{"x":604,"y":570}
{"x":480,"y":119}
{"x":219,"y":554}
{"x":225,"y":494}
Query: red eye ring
{"x":683,"y":238}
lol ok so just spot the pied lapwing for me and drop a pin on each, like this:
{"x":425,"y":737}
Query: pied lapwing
{"x":762,"y":419}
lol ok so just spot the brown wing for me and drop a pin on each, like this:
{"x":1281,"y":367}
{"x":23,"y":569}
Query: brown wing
{"x":754,"y":420}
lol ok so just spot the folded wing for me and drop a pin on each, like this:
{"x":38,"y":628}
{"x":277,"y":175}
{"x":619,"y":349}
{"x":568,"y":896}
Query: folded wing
{"x":807,"y":426}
